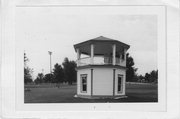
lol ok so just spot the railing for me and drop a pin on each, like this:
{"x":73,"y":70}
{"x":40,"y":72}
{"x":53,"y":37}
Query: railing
{"x":97,"y":60}
{"x":84,"y":61}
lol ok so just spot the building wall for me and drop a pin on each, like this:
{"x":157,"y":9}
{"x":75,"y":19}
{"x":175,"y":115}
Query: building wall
{"x":103,"y":81}
{"x":88,"y":72}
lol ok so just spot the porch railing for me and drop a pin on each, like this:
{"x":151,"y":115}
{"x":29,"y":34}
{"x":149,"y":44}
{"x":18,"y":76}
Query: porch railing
{"x":98,"y":60}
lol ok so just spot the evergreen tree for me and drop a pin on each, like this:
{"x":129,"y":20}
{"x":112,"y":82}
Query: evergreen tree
{"x":131,"y":71}
{"x":69,"y":71}
{"x":58,"y":74}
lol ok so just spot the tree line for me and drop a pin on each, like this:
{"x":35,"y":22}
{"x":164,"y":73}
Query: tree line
{"x":66,"y":73}
{"x":132,"y":76}
{"x":151,"y":77}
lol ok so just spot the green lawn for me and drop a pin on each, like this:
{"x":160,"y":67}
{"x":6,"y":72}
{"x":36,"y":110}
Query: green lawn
{"x":65,"y":94}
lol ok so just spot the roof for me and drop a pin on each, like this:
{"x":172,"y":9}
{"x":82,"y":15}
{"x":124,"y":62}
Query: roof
{"x":103,"y":38}
{"x":104,"y":45}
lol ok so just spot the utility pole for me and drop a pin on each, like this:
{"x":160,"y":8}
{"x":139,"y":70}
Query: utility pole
{"x":50,"y":53}
{"x":42,"y":71}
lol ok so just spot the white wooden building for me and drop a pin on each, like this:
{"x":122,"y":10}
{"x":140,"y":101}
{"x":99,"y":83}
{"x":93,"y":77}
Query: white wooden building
{"x":102,"y":73}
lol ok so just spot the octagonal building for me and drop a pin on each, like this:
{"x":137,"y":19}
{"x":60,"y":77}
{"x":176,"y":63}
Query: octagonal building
{"x":102,"y":72}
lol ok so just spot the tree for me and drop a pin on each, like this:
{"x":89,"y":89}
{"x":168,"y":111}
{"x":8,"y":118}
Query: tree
{"x":130,"y":72}
{"x":135,"y":78}
{"x":156,"y":77}
{"x":58,"y":74}
{"x":141,"y":78}
{"x":27,"y":71}
{"x":69,"y":71}
{"x":48,"y":78}
{"x":66,"y":69}
{"x":40,"y":78}
{"x":147,"y":76}
{"x":152,"y":76}
{"x":73,"y":76}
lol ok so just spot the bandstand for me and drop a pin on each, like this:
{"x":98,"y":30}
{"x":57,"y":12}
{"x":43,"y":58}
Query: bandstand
{"x":103,"y":72}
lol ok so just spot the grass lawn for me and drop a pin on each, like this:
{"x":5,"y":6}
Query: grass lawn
{"x":65,"y":94}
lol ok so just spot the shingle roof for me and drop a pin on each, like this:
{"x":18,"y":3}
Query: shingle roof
{"x":102,"y":38}
{"x":103,"y":45}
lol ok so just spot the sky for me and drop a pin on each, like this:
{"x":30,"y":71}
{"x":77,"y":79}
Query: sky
{"x":39,"y":30}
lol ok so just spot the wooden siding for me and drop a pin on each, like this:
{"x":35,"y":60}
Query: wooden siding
{"x":103,"y":81}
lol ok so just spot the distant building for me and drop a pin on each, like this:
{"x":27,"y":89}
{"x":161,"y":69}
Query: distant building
{"x":103,"y":72}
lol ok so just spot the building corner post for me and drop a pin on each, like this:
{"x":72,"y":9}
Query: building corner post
{"x":92,"y":54}
{"x":125,"y":55}
{"x":114,"y":54}
{"x":78,"y":56}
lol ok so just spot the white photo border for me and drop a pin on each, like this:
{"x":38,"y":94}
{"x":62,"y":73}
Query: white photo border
{"x":12,"y":58}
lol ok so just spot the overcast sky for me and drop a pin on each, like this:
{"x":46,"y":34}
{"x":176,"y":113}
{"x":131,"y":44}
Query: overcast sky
{"x":39,"y":30}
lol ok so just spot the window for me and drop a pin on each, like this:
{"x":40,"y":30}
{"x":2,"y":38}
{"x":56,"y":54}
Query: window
{"x":83,"y":83}
{"x":120,"y":80}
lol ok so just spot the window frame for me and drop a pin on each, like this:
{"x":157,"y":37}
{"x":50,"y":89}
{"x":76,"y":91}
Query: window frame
{"x":81,"y":82}
{"x":121,"y":88}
